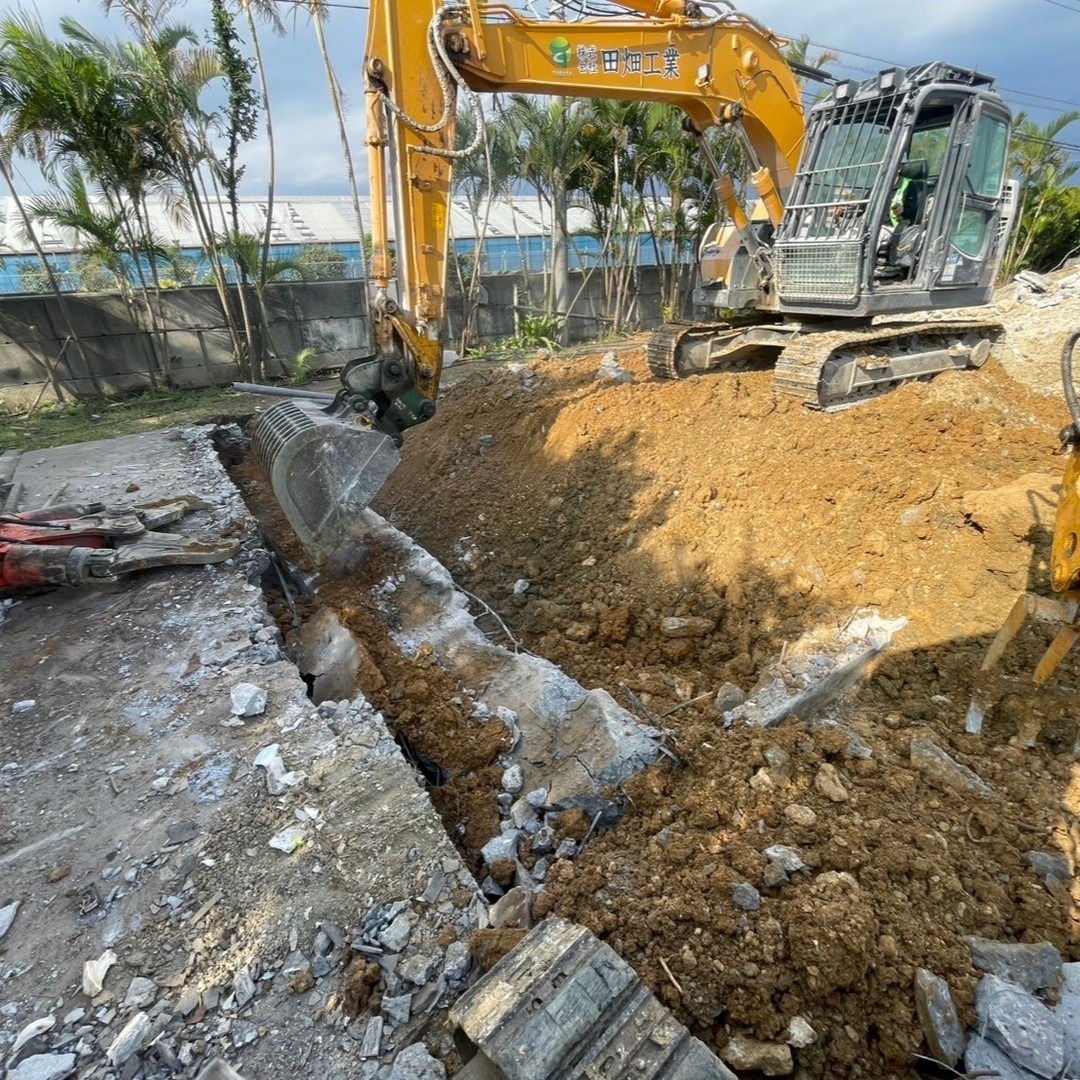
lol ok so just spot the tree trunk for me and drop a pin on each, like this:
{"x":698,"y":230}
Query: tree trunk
{"x":560,"y":259}
{"x":335,"y":97}
{"x":213,"y":253}
{"x":271,"y":167}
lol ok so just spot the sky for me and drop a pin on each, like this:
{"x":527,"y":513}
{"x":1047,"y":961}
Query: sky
{"x":1030,"y":46}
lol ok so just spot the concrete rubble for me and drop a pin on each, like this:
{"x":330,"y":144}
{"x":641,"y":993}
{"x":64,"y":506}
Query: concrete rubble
{"x":817,"y":671}
{"x":190,"y":937}
{"x":256,"y":884}
{"x":1020,"y":1035}
{"x":573,"y":741}
{"x":278,"y":837}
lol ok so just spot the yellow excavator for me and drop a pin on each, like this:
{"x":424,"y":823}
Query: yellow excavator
{"x":815,"y":287}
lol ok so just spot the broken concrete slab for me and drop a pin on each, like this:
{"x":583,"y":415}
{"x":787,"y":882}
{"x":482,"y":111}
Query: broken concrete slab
{"x":561,"y":1002}
{"x":44,"y":1067}
{"x":754,"y":1055}
{"x":938,"y":1018}
{"x":416,"y":1063}
{"x":820,"y":668}
{"x":219,"y":1070}
{"x":983,"y":1058}
{"x":1021,"y":1025}
{"x":1068,"y":1012}
{"x":1053,"y":868}
{"x":7,"y":916}
{"x":137,"y":677}
{"x":573,"y":741}
{"x":328,"y":655}
{"x":936,"y":765}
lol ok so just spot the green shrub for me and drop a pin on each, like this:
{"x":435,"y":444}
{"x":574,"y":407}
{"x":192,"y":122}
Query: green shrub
{"x":322,"y":263}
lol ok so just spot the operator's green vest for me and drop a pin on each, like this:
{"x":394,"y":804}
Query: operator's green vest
{"x":898,"y":200}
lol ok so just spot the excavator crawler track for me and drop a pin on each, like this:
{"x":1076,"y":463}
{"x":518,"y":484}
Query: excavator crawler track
{"x":824,"y":369}
{"x":669,"y":345}
{"x":662,"y":352}
{"x":834,"y":369}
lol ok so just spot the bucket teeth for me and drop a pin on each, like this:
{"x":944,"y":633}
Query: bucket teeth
{"x":324,"y":470}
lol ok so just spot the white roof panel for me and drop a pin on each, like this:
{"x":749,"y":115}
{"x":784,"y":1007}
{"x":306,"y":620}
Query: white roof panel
{"x":304,"y":219}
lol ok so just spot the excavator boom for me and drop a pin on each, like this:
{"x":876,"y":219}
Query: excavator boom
{"x":814,"y":270}
{"x":421,"y":58}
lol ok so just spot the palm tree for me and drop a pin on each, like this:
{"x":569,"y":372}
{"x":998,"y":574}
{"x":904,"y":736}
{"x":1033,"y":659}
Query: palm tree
{"x":26,"y":53}
{"x":797,"y":55}
{"x":246,"y":251}
{"x":1043,"y":169}
{"x":99,"y":234}
{"x":548,"y":137}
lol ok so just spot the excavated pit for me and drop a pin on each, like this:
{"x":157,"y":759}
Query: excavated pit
{"x":584,"y":514}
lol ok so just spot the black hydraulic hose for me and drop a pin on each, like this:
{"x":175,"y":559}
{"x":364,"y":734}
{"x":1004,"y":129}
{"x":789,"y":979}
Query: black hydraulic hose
{"x":1067,"y":379}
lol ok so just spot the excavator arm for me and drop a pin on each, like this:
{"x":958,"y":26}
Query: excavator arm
{"x":327,"y":463}
{"x":724,"y":69}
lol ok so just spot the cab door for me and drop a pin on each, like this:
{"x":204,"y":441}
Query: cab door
{"x":973,"y":232}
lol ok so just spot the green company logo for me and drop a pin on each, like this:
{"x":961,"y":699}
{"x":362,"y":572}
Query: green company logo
{"x":560,"y":52}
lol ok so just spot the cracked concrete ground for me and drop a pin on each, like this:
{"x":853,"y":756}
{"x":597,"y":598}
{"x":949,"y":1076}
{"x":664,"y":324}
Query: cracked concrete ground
{"x":135,"y":820}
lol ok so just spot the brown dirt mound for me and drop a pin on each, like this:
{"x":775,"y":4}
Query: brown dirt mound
{"x":622,"y":505}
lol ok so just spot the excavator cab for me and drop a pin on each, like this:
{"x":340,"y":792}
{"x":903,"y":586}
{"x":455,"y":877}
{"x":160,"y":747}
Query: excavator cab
{"x":900,"y":201}
{"x":899,"y":205}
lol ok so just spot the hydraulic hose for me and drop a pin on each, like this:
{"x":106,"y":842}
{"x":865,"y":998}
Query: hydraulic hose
{"x":1068,"y":385}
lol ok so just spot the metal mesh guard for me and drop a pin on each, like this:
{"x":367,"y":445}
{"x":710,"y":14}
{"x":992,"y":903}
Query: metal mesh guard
{"x":819,"y":271}
{"x":324,"y":471}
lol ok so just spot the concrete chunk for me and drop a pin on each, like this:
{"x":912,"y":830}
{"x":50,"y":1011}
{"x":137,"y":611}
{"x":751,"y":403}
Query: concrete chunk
{"x":1053,"y":869}
{"x":1068,"y":1012}
{"x":938,"y":766}
{"x":752,"y":1055}
{"x":686,"y":626}
{"x":1033,"y":967}
{"x":937,"y":1017}
{"x":44,"y":1067}
{"x":984,"y":1058}
{"x":1021,"y":1025}
{"x":415,"y":1063}
{"x":219,"y":1070}
{"x":7,"y":916}
{"x":130,"y":1040}
{"x":248,"y":699}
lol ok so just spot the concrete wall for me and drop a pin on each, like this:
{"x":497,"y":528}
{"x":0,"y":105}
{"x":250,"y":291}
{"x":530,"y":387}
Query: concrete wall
{"x":329,"y":317}
{"x":506,"y":296}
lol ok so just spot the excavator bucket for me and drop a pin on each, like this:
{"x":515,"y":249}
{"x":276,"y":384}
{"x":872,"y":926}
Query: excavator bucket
{"x":324,"y":469}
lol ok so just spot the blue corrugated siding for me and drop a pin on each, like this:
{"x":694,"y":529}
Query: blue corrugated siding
{"x":502,"y":255}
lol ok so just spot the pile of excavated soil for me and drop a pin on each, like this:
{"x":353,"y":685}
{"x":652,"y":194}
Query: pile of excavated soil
{"x":585,"y":512}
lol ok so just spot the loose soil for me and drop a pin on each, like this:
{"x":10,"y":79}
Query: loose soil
{"x":623,"y":504}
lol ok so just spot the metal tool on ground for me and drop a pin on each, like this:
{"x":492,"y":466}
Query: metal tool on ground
{"x":804,"y":287}
{"x":1064,"y":609}
{"x":80,"y":543}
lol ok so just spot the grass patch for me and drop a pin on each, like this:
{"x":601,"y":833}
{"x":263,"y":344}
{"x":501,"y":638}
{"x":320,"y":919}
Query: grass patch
{"x":61,"y":425}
